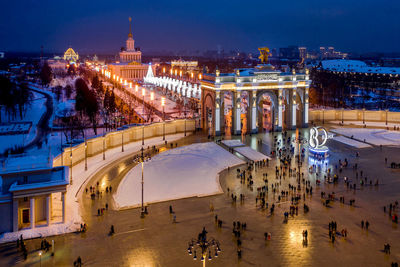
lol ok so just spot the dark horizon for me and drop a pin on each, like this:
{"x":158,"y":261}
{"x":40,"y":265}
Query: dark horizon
{"x":102,"y":27}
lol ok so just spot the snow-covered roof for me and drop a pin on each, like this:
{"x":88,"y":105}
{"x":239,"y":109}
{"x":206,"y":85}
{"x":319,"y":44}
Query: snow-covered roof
{"x":344,"y":65}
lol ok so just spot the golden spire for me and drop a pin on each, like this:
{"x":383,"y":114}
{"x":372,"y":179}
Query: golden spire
{"x":130,"y":28}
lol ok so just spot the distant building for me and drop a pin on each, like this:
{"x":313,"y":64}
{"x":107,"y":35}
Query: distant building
{"x":130,"y":66}
{"x":330,"y":53}
{"x":29,"y":197}
{"x":71,"y":55}
{"x":303,"y":52}
{"x":187,"y":65}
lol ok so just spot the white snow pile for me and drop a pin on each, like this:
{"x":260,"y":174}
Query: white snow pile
{"x":250,"y":153}
{"x":350,"y":142}
{"x":183,"y":172}
{"x":373,"y":136}
{"x":232,"y":143}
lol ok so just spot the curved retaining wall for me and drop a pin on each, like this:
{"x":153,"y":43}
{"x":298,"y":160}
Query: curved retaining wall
{"x":114,"y":139}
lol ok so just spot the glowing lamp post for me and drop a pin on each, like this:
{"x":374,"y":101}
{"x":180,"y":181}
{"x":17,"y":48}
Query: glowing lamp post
{"x":130,"y":85}
{"x":204,"y":246}
{"x":163,"y":104}
{"x":136,"y":88}
{"x":40,"y":258}
{"x":143,"y":93}
{"x":85,"y":155}
{"x":143,"y":159}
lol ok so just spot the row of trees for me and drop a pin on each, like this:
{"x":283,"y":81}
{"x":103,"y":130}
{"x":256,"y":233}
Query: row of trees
{"x":15,"y":97}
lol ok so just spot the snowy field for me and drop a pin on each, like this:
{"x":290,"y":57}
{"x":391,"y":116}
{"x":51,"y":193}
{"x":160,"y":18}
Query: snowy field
{"x":350,"y":142}
{"x":232,"y":143}
{"x":183,"y":172}
{"x":368,"y":123}
{"x":74,"y":191}
{"x":250,"y":153}
{"x":373,"y":136}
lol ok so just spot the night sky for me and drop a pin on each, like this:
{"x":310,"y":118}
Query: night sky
{"x":102,"y":26}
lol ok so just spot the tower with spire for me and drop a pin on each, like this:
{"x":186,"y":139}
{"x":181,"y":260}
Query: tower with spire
{"x":131,"y":55}
{"x":129,"y":67}
{"x":130,"y":43}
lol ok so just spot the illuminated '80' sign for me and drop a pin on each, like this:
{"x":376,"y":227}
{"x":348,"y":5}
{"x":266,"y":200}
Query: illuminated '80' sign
{"x":315,"y":140}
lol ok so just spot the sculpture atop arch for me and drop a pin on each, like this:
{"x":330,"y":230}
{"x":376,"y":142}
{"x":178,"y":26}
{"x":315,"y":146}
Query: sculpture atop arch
{"x":264,"y":54}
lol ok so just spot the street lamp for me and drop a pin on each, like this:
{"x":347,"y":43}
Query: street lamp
{"x":104,"y":146}
{"x":363,"y":115}
{"x":40,"y":258}
{"x":163,"y":104}
{"x":85,"y":154}
{"x":70,"y":157}
{"x":143,"y":93}
{"x":143,"y":159}
{"x":122,"y":147}
{"x":386,"y":117}
{"x":205,"y":246}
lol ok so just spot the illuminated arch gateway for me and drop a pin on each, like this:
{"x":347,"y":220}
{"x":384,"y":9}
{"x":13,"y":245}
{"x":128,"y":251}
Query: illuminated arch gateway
{"x":288,"y":93}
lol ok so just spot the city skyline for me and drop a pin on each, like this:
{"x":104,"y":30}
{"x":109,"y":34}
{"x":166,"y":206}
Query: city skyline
{"x":101,"y":27}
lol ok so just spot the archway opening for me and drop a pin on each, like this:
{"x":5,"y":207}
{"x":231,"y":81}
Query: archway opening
{"x":227,"y":121}
{"x":209,"y":115}
{"x":299,"y":112}
{"x":265,"y":114}
{"x":244,"y":109}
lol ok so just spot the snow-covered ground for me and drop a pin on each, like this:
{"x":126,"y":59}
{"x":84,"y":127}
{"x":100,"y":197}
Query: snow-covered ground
{"x":367,"y":123}
{"x":177,"y":173}
{"x":80,"y":178}
{"x":350,"y":142}
{"x":250,"y":153}
{"x":373,"y":136}
{"x":232,"y":143}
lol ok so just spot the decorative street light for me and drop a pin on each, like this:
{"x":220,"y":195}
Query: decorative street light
{"x":40,"y":258}
{"x":163,"y":104}
{"x":142,"y":159}
{"x":386,"y":117}
{"x":122,"y":147}
{"x":143,"y":93}
{"x":363,"y":115}
{"x":70,"y":157}
{"x":85,"y":154}
{"x":204,"y":245}
{"x":104,"y":146}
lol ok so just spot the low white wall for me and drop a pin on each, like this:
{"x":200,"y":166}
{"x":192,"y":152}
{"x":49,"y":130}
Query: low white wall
{"x":113,"y":139}
{"x":354,"y":115}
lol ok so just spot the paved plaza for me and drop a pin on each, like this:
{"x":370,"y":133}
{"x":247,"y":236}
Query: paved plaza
{"x":157,"y":241}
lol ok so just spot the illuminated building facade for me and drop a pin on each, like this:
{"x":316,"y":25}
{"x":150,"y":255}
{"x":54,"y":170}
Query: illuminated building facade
{"x":71,"y":55}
